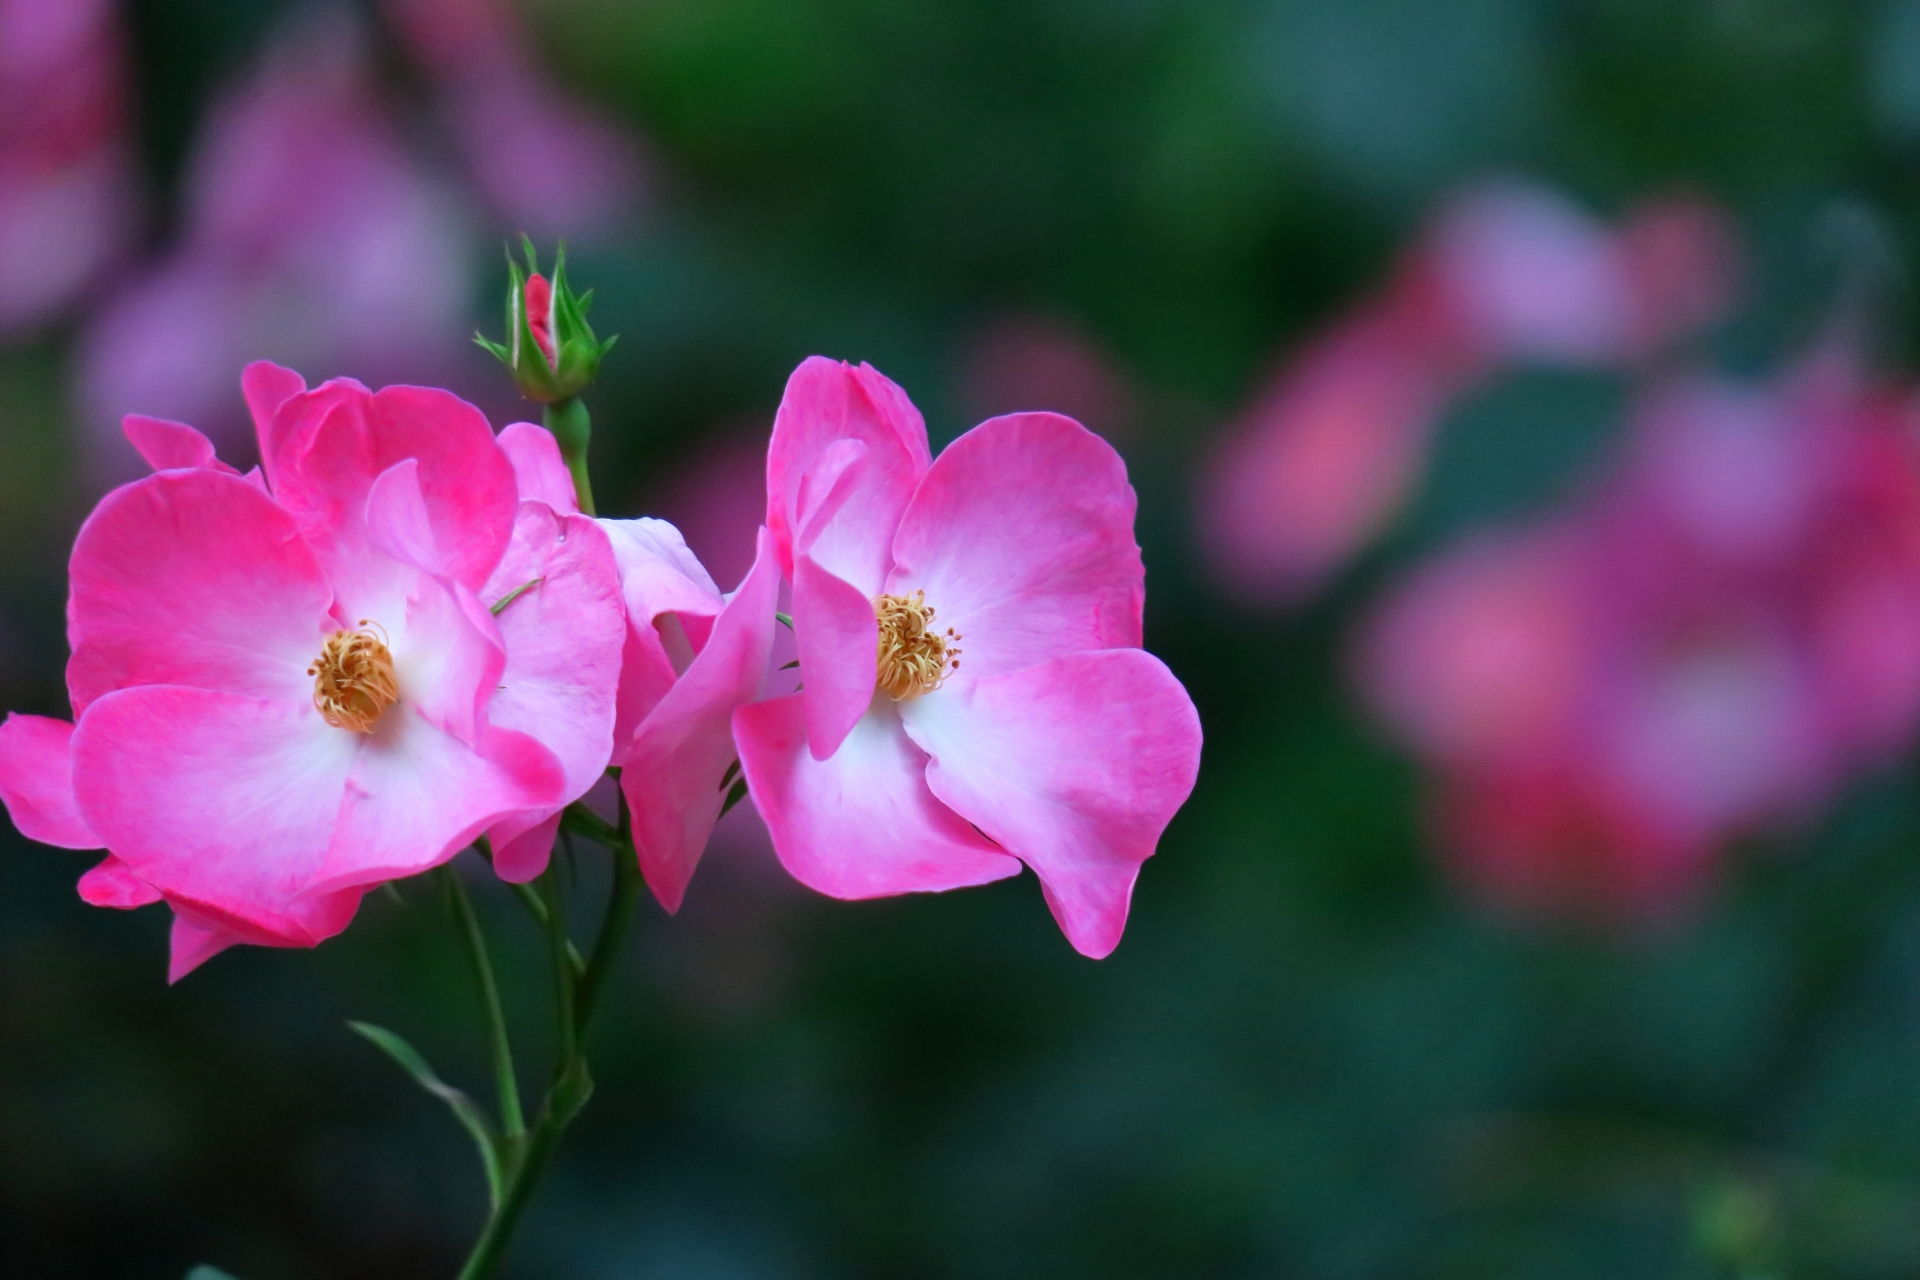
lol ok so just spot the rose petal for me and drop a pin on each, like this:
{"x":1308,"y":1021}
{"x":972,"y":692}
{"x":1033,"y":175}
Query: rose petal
{"x":111,"y":884}
{"x":1076,"y":765}
{"x":218,"y":799}
{"x":564,"y":637}
{"x":861,"y":824}
{"x":672,"y":773}
{"x":170,"y":445}
{"x":538,"y":468}
{"x":826,"y":402}
{"x":194,"y":578}
{"x":36,"y":782}
{"x":1021,"y":535}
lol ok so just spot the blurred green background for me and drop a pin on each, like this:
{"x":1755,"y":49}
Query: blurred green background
{"x":1310,"y":1057}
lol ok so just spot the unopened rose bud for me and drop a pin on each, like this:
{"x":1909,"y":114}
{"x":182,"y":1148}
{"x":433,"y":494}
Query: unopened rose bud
{"x":550,"y":348}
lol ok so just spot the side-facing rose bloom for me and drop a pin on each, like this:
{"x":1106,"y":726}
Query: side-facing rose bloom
{"x":292,"y":685}
{"x":974,"y":694}
{"x":691,"y":656}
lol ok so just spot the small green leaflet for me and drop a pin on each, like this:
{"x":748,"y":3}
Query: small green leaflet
{"x":462,"y":1106}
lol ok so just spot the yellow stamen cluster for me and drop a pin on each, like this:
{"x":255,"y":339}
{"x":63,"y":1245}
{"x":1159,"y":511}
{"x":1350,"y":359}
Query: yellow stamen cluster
{"x":353,"y":680}
{"x":914,"y":658}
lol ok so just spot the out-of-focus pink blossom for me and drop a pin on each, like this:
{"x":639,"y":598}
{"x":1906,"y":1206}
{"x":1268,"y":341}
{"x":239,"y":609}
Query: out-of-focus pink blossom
{"x":1506,"y":273}
{"x":902,"y":766}
{"x":310,"y":237}
{"x":1705,"y":647}
{"x":544,"y":162}
{"x":68,"y":196}
{"x":1323,"y":459}
{"x":336,"y":670}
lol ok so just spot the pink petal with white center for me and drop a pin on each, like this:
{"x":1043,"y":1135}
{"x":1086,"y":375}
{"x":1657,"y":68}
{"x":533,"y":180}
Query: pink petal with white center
{"x":564,"y":635}
{"x":218,"y":799}
{"x":1075,"y":765}
{"x":193,"y":578}
{"x":110,"y":884}
{"x":417,"y":796}
{"x":191,"y":945}
{"x":538,"y":467}
{"x":169,"y":446}
{"x":862,"y":824}
{"x":342,"y":437}
{"x":448,"y":653}
{"x":36,"y":782}
{"x":672,"y":773}
{"x":1021,"y":535}
{"x":826,"y":402}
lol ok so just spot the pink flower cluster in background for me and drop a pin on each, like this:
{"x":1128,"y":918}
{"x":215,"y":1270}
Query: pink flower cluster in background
{"x":399,"y":634}
{"x":1506,"y":273}
{"x":1703,"y":648}
{"x":316,"y":232}
{"x":68,"y":197}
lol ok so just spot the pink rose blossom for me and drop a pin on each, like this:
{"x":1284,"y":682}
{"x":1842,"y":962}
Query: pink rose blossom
{"x":903,"y":765}
{"x":290,"y":686}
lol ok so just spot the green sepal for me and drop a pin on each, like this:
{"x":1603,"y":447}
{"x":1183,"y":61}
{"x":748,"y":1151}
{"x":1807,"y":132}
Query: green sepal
{"x":464,"y":1109}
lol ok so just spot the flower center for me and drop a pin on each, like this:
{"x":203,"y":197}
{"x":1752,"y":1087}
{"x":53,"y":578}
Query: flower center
{"x":353,"y":679}
{"x":914,"y":658}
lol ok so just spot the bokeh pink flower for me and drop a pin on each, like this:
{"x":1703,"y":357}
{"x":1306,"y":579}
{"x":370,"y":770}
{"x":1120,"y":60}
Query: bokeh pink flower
{"x":1507,"y":273}
{"x":974,"y":695}
{"x":1704,"y":648}
{"x":69,"y":198}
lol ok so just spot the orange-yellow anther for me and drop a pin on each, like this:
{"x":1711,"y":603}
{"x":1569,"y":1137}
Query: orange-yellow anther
{"x":353,"y":680}
{"x":914,"y":658}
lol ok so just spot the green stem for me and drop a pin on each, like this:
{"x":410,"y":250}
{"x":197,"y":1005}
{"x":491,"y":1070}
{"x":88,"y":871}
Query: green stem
{"x":491,"y":1248}
{"x":613,"y":925}
{"x":572,"y":428}
{"x":512,"y":1123}
{"x":576,"y":995}
{"x":567,"y":1045}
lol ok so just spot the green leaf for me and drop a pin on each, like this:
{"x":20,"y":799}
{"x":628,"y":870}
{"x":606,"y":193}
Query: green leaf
{"x":734,"y":797}
{"x":785,"y":620}
{"x":462,"y":1106}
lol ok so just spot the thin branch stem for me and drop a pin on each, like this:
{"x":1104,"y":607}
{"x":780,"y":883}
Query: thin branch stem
{"x":624,"y":895}
{"x":565,"y":1044}
{"x":537,"y":908}
{"x":512,"y":1123}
